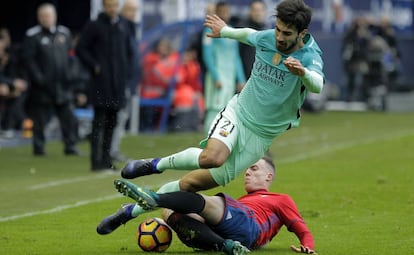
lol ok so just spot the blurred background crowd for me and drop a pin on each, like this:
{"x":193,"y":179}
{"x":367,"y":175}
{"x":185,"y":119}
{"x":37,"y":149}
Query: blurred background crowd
{"x":100,"y":68}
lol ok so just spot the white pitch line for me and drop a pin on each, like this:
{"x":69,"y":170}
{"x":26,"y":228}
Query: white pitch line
{"x":336,"y":147}
{"x":71,"y":180}
{"x":282,"y":144}
{"x":295,"y":158}
{"x":59,"y":208}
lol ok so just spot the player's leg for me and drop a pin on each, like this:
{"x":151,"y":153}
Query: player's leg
{"x":214,"y":155}
{"x":178,"y":201}
{"x":195,"y":234}
{"x":197,"y":180}
{"x":184,"y":160}
{"x":130,"y":211}
{"x":221,"y":140}
{"x":113,"y":221}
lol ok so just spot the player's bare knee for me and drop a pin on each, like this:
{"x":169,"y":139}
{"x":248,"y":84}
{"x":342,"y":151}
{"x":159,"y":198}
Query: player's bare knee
{"x":211,"y":159}
{"x":194,"y":184}
{"x":188,"y":186}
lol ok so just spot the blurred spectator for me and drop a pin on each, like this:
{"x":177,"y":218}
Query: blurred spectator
{"x":80,"y":76}
{"x":376,"y":78}
{"x":354,"y":56}
{"x":224,"y":74}
{"x":257,"y":21}
{"x":46,"y":55}
{"x":392,"y":58}
{"x":105,"y":48}
{"x":12,"y":87}
{"x":198,"y":38}
{"x":128,"y":11}
{"x":371,"y":60}
{"x":159,"y":70}
{"x":338,"y":12}
{"x":80,"y":84}
{"x":188,"y":103}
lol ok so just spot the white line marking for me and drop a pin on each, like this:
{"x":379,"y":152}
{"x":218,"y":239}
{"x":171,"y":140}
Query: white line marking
{"x":295,"y":158}
{"x":327,"y":148}
{"x":59,"y":208}
{"x":71,"y":180}
{"x":301,"y":140}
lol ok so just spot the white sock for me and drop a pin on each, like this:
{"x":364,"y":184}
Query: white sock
{"x":184,"y":160}
{"x":168,"y":187}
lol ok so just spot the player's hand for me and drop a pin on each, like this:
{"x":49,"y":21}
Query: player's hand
{"x":294,"y":66}
{"x":215,"y":24}
{"x":302,"y":249}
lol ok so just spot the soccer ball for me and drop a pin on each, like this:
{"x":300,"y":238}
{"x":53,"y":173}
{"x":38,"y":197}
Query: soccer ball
{"x":154,"y":234}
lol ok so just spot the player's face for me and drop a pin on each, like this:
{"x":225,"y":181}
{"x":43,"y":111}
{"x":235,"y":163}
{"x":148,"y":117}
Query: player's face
{"x":287,"y":37}
{"x":257,"y":176}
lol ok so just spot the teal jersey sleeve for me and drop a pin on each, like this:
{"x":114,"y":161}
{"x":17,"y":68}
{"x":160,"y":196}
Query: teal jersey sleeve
{"x":272,"y":98}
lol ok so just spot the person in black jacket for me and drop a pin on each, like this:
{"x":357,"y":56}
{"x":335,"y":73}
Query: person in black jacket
{"x":128,"y":12}
{"x":46,"y":55}
{"x":255,"y":20}
{"x":105,"y":48}
{"x":13,"y":86}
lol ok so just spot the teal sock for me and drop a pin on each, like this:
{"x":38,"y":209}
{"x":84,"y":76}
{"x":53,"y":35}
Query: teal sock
{"x":137,"y":210}
{"x":184,"y":160}
{"x":168,"y":187}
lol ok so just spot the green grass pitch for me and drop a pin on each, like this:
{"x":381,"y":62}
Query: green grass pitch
{"x":351,"y":175}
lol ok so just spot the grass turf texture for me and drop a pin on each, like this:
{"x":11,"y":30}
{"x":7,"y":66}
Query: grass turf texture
{"x":350,"y":174}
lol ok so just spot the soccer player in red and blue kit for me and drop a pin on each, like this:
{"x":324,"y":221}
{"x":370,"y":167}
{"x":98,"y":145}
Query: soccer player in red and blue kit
{"x":230,"y":225}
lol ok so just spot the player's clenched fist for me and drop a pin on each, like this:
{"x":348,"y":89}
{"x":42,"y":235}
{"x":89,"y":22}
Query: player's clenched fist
{"x":294,"y":66}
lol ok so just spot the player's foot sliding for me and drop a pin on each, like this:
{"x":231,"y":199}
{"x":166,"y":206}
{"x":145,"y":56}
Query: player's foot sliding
{"x":137,"y":168}
{"x":112,"y":222}
{"x":146,"y":198}
{"x":234,"y":248}
{"x":198,"y":235}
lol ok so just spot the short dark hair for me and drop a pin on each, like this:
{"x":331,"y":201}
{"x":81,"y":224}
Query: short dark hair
{"x":256,"y":1}
{"x":294,"y":12}
{"x":269,"y":160}
{"x":221,"y":4}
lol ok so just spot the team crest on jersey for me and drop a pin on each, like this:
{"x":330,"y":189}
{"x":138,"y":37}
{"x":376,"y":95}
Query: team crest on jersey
{"x":224,"y":133}
{"x":276,"y":59}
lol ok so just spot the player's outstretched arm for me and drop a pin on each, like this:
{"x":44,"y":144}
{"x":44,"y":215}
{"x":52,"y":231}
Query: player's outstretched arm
{"x":302,"y":249}
{"x":220,"y":29}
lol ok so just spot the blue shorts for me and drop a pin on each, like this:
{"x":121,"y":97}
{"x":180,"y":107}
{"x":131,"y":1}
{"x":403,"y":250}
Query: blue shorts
{"x":238,"y":223}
